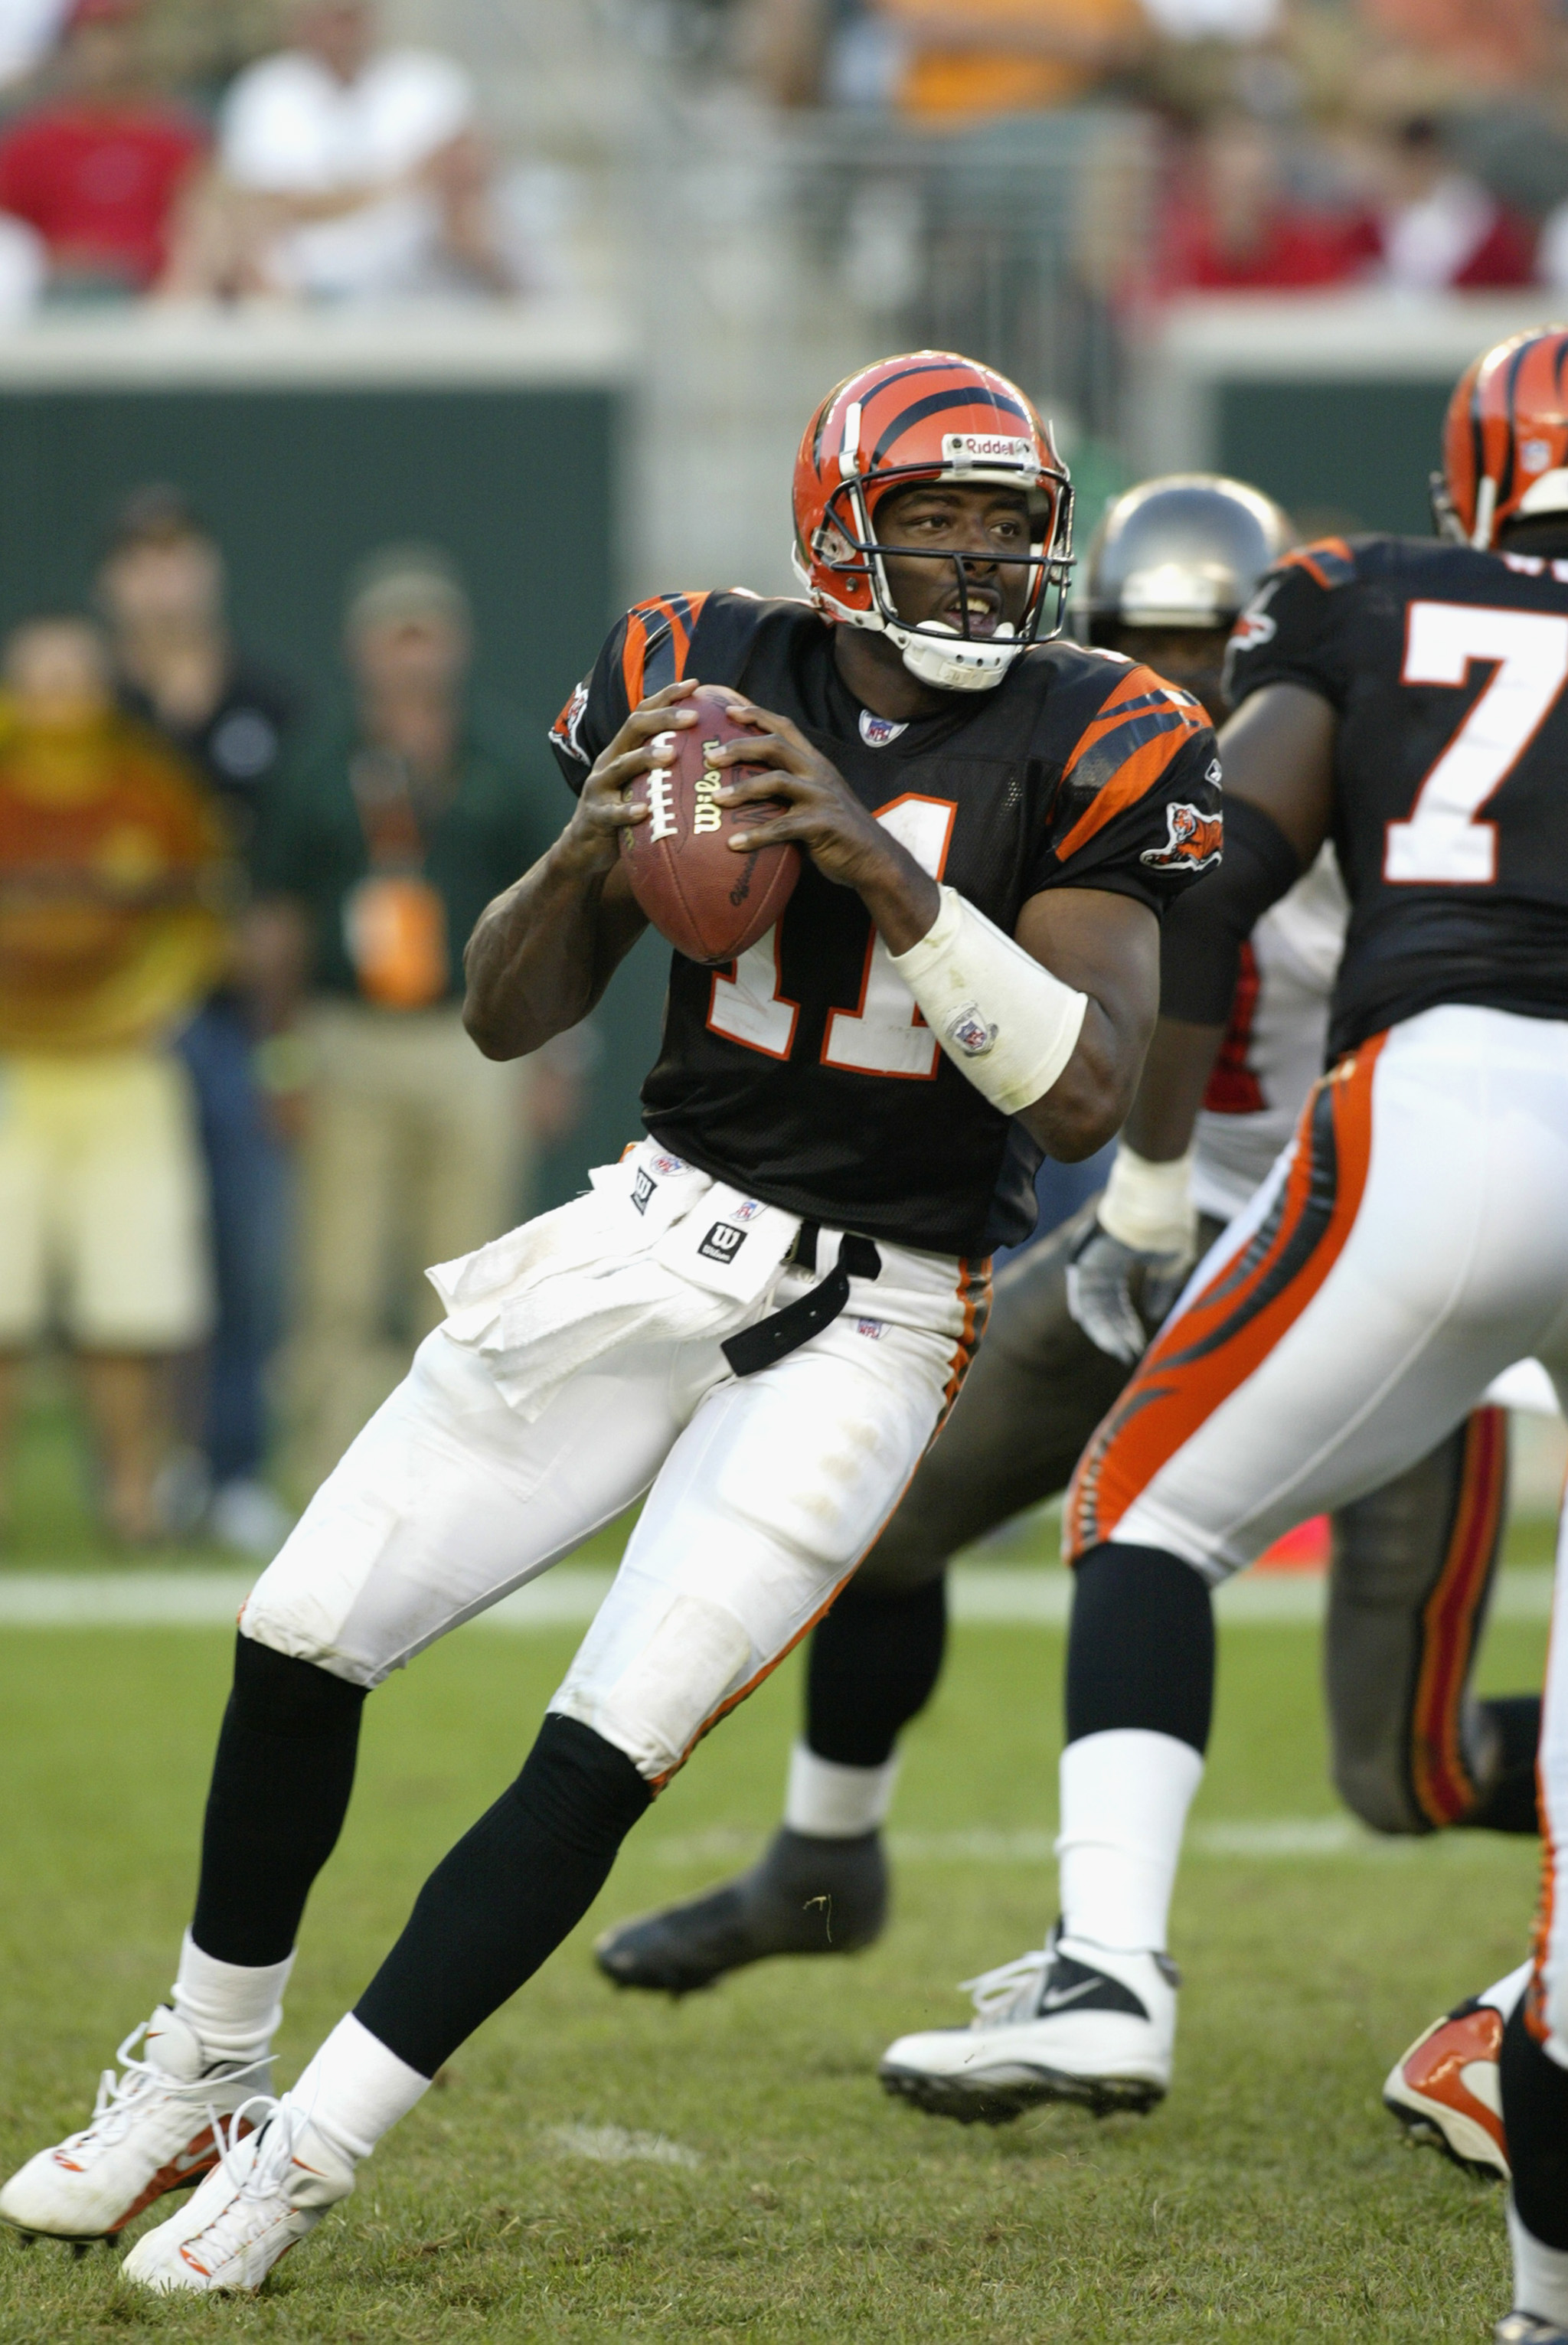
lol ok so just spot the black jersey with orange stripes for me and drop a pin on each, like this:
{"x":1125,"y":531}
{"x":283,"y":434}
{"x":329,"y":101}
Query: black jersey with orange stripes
{"x":1449,"y":670}
{"x":803,"y":1072}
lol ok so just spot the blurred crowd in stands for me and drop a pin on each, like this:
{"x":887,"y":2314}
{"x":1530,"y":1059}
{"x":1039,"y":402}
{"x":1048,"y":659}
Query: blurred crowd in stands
{"x":1417,"y":145}
{"x":330,"y":165}
{"x":293,"y":149}
{"x":238,"y":1114}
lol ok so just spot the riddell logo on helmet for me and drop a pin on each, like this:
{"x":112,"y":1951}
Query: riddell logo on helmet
{"x":988,"y":448}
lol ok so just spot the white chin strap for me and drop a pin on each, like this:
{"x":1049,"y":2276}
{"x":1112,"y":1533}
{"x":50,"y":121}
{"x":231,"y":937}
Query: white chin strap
{"x":955,"y":663}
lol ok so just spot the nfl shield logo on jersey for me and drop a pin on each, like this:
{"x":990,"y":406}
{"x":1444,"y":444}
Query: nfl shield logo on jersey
{"x":876,"y":732}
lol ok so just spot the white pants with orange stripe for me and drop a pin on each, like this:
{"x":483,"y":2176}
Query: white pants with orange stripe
{"x":1546,"y":2000}
{"x":764,"y":1492}
{"x":1410,"y":1244}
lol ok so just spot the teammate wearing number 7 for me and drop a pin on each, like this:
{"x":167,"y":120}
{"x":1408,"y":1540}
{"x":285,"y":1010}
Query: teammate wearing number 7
{"x":1408,"y":699}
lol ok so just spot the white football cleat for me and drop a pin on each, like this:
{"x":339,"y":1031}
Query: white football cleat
{"x":1074,"y":2021}
{"x":269,"y":2190}
{"x":151,"y":2130}
{"x":1446,"y":2090}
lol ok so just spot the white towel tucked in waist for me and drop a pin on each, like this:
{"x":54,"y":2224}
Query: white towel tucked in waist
{"x":656,"y":1251}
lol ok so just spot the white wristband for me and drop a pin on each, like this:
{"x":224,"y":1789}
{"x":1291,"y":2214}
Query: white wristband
{"x":1004,"y":1020}
{"x":1149,"y":1206}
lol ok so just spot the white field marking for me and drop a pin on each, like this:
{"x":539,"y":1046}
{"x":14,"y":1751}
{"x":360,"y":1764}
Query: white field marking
{"x":612,"y":2145}
{"x":1262,"y":1838}
{"x":984,"y":1595}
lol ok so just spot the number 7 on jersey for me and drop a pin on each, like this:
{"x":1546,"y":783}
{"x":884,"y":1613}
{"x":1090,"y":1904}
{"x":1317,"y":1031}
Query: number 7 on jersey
{"x":1440,"y":842}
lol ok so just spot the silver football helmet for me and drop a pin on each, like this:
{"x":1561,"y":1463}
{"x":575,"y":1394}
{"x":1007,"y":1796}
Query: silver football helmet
{"x":1187,"y":550}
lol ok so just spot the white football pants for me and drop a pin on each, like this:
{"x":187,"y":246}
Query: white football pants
{"x":763,"y":1494}
{"x":1410,"y":1244}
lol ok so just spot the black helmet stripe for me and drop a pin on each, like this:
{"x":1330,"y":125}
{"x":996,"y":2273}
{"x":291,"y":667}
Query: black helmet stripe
{"x":939,"y":402}
{"x":1505,"y":484}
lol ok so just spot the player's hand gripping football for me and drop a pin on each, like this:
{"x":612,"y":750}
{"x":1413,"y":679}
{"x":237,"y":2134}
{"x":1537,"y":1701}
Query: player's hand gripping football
{"x":591,"y":842}
{"x":822,"y":816}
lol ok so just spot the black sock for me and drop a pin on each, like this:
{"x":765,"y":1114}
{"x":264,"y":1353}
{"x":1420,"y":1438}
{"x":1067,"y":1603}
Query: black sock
{"x":1140,"y":1651}
{"x":1535,"y":2119}
{"x":280,"y":1786}
{"x":1510,"y":1804}
{"x":873,"y":1665}
{"x":507,"y":1895}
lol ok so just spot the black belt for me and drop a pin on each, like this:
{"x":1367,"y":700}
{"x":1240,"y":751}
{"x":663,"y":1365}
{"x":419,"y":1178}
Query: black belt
{"x":783,"y":1332}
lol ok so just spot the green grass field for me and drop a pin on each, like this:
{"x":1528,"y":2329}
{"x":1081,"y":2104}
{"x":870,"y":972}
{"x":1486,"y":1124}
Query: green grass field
{"x":599,"y":2165}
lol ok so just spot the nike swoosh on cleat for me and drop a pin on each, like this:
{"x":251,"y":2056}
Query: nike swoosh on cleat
{"x":1055,"y":1997}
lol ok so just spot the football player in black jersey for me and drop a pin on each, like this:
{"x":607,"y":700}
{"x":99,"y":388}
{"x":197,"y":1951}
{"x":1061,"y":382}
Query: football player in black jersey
{"x":757,"y":1317}
{"x":1409,"y":699}
{"x":1170,"y":568}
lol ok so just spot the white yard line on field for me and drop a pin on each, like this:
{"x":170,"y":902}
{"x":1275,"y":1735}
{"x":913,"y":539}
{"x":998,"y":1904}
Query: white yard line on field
{"x":984,"y":1595}
{"x":1266,"y":1838}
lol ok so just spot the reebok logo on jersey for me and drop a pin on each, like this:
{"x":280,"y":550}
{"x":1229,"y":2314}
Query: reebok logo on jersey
{"x":876,"y":732}
{"x":723,"y":1242}
{"x":1193,"y":843}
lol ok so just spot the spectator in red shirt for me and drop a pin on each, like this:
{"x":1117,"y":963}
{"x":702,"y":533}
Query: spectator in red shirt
{"x":1437,"y":227}
{"x":98,"y":171}
{"x":1231,"y":226}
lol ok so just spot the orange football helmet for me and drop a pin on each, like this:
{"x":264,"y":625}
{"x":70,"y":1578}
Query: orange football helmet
{"x":929,"y":415}
{"x":1506,"y":438}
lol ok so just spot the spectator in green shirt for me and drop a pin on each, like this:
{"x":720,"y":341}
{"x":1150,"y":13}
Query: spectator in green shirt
{"x":381,"y":848}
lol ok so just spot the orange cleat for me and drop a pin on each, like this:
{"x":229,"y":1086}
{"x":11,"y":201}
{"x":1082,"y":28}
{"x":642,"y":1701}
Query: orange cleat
{"x":1445,"y":2090}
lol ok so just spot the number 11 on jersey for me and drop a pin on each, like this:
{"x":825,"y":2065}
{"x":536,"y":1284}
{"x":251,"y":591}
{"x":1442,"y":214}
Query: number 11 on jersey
{"x":885,"y":1034}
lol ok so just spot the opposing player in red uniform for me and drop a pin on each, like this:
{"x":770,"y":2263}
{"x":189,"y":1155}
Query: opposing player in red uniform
{"x":757,"y":1317}
{"x":1170,"y":568}
{"x":1410,"y":700}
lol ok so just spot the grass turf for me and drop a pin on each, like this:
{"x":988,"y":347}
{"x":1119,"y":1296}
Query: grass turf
{"x":611,"y":2167}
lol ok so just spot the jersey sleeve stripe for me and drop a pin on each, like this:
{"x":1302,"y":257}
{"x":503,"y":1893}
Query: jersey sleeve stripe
{"x":659,"y":640}
{"x":1329,"y":561}
{"x":1118,"y":779}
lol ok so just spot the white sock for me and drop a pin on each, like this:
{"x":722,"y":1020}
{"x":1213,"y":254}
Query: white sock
{"x":1540,"y":2273}
{"x":833,"y":1803}
{"x":354,"y":2090}
{"x":1125,"y":1798}
{"x":236,"y":2011}
{"x":1505,"y":1995}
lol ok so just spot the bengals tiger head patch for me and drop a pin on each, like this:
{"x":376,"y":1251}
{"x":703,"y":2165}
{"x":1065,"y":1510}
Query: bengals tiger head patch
{"x":1193,"y":843}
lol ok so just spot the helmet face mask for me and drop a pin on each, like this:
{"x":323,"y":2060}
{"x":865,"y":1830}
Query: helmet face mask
{"x":889,"y":427}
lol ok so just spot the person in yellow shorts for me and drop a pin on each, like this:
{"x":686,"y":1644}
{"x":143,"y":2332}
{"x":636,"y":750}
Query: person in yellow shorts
{"x":111,"y":929}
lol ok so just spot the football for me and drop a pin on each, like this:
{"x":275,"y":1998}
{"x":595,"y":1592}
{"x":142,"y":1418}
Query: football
{"x":707,"y":902}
